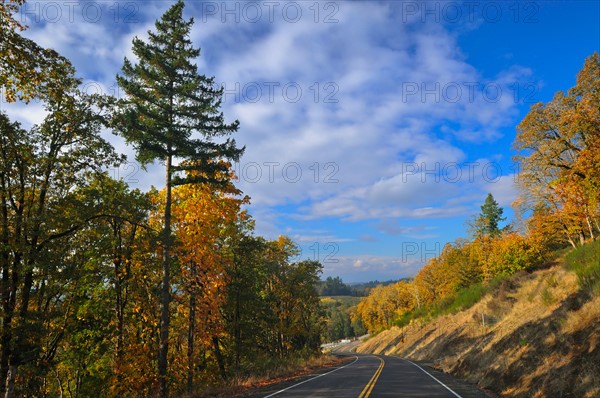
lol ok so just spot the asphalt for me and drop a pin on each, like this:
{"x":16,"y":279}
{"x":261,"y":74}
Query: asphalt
{"x":373,"y":376}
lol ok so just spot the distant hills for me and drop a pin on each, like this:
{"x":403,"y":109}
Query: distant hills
{"x":335,"y":286}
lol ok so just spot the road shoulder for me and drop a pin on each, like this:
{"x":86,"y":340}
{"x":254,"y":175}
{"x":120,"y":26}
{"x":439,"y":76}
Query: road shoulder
{"x":307,"y":374}
{"x":461,"y":387}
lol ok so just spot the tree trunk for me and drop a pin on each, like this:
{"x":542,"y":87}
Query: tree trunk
{"x":566,"y":231}
{"x":191,"y":334}
{"x":26,"y":293}
{"x":119,"y":307}
{"x":10,"y":382}
{"x":219,"y":357}
{"x":7,"y":359}
{"x":165,"y":291}
{"x":237,"y":331}
{"x":590,"y":228}
{"x":5,"y":334}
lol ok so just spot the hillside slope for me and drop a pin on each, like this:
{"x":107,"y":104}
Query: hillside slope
{"x":536,"y":335}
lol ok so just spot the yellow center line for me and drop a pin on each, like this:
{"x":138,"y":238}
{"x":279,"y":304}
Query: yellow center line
{"x":369,"y":387}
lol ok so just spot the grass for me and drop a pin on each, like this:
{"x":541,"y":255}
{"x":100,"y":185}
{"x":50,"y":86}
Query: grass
{"x":463,"y":299}
{"x":585,"y":262}
{"x":547,"y":297}
{"x":545,"y":338}
{"x":276,"y":371}
{"x":469,"y":296}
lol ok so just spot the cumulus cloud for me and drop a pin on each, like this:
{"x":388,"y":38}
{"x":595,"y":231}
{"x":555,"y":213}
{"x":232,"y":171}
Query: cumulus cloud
{"x":344,"y":112}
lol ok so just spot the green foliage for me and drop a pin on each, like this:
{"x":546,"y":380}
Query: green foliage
{"x":168,"y":104}
{"x":27,"y":70}
{"x":585,"y":262}
{"x":334,"y":287}
{"x":44,"y":173}
{"x":487,"y":222}
{"x":272,"y":309}
{"x":547,"y":297}
{"x":467,"y":297}
{"x":463,"y":299}
{"x":339,"y":324}
{"x":406,"y":317}
{"x":168,"y":100}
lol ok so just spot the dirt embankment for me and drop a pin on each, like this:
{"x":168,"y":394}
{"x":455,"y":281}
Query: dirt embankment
{"x":537,"y":335}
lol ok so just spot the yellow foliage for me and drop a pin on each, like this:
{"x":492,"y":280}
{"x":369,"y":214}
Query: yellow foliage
{"x":510,"y":254}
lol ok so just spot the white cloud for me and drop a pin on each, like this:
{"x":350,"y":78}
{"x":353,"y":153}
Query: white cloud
{"x":368,"y":267}
{"x":504,"y":190}
{"x":343,"y":148}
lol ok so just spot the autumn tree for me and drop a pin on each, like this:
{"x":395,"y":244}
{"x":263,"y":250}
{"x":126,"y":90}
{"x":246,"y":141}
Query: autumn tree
{"x":463,"y":262}
{"x":384,"y":304}
{"x":205,"y":221}
{"x":510,"y":254}
{"x":171,"y":111}
{"x":89,"y":285}
{"x":39,"y":171}
{"x":559,"y":146}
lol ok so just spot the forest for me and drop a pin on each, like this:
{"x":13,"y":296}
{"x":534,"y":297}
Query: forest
{"x":111,"y":291}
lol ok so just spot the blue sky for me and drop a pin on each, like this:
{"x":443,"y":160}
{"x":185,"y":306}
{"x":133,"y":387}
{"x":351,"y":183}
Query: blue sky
{"x":374,"y":130}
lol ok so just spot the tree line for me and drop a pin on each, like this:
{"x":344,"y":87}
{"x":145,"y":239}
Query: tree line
{"x":335,"y":286}
{"x":110,"y":291}
{"x":558,"y":146}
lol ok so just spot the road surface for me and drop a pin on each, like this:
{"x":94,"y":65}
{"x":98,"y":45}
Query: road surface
{"x":374,"y":376}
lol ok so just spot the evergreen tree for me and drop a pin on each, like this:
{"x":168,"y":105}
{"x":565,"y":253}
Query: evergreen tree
{"x":491,"y":215}
{"x":171,"y":111}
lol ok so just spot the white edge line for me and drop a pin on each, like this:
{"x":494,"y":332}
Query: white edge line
{"x":430,"y":375}
{"x":306,"y":381}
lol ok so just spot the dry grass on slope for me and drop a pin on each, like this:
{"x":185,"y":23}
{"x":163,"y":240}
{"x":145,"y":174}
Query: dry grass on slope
{"x":539,"y":337}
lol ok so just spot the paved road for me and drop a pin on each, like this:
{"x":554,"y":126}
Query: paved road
{"x":370,"y":376}
{"x":373,"y":376}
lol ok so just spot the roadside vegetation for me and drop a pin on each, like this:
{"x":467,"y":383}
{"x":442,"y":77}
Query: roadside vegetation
{"x":339,"y":324}
{"x":559,"y":146}
{"x":531,"y":334}
{"x":585,"y":262}
{"x":515,"y":309}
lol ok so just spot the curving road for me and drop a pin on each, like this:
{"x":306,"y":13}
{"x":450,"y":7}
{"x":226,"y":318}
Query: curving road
{"x":374,"y":376}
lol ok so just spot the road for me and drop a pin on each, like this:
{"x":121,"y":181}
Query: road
{"x":375,"y":376}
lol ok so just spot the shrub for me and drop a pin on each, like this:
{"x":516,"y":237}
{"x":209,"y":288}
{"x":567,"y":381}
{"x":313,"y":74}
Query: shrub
{"x":511,"y":254}
{"x":585,"y":262}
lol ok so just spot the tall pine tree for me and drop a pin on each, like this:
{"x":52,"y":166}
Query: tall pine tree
{"x":490,"y":217}
{"x":172,"y":112}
